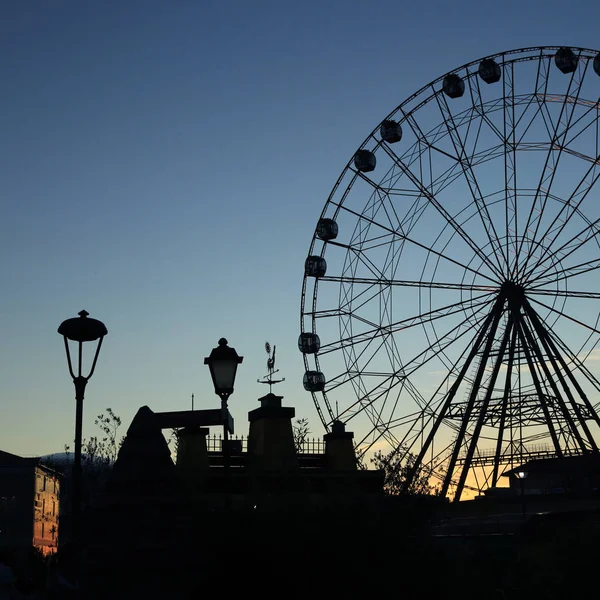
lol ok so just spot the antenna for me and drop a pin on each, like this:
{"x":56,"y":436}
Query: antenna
{"x":192,"y":401}
{"x":268,"y":378}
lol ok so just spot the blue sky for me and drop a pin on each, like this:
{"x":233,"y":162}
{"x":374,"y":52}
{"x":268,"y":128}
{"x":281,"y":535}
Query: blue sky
{"x":164,"y":164}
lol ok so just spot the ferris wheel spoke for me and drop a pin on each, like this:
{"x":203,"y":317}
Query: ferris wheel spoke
{"x":541,"y":90}
{"x":374,"y":394}
{"x":377,"y":280}
{"x":389,"y":210}
{"x":377,"y":432}
{"x":477,"y":102}
{"x":460,"y":149}
{"x":369,"y":243}
{"x":582,"y":190}
{"x":591,"y":110}
{"x":563,"y":274}
{"x":437,"y":348}
{"x":522,"y":125}
{"x":373,"y":345}
{"x":565,"y":293}
{"x":438,"y":206}
{"x":397,"y":422}
{"x":550,"y":167}
{"x":510,"y":154}
{"x":411,"y":283}
{"x":362,"y":403}
{"x":446,"y":215}
{"x":512,"y":123}
{"x":381,"y":410}
{"x":381,"y":202}
{"x":404,"y":324}
{"x":573,"y":244}
{"x":565,"y":315}
{"x":440,"y":183}
{"x":577,"y":361}
{"x":393,"y":359}
{"x":378,"y":203}
{"x":351,"y":306}
{"x":413,"y":242}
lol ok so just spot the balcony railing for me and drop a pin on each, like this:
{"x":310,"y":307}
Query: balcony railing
{"x":308,"y":446}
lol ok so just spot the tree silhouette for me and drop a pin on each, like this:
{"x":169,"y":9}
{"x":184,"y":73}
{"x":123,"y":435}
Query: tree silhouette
{"x":397,"y":467}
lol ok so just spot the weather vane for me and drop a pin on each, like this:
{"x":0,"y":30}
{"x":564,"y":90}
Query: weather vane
{"x":268,"y":378}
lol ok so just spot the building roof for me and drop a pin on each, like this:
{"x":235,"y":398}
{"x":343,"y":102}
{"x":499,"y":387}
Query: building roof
{"x":8,"y":460}
{"x":576,"y":464}
{"x":12,"y":460}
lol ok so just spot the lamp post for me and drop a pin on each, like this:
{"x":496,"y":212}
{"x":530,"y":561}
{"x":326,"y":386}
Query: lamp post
{"x":521,"y":475}
{"x":222,"y":363}
{"x":80,"y":330}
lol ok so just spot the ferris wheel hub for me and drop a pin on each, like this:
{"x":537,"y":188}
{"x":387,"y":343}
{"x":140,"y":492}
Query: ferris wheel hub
{"x":512,"y":290}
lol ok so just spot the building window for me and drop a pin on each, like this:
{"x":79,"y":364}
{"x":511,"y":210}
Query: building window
{"x":44,"y":507}
{"x":44,"y":484}
{"x":42,"y":529}
{"x":53,"y":508}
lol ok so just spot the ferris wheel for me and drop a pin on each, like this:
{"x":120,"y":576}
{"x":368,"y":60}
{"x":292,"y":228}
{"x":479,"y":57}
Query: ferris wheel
{"x":450,"y":309}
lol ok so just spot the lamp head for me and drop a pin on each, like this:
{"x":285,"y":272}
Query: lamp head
{"x":82,"y":329}
{"x":222,"y":363}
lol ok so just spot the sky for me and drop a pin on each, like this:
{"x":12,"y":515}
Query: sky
{"x":163,"y":166}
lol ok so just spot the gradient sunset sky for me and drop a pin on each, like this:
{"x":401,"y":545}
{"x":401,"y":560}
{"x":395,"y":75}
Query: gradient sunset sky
{"x":163,"y":166}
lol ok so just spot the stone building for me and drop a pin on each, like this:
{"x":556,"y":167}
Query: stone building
{"x":29,"y":504}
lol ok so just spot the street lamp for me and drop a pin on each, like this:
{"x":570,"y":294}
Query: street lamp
{"x":521,"y":475}
{"x":80,"y":330}
{"x":222,"y":363}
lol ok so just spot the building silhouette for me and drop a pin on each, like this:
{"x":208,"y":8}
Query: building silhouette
{"x":185,"y":528}
{"x":29,"y":504}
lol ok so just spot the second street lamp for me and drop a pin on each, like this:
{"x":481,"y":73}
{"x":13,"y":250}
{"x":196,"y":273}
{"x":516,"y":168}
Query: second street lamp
{"x":222,"y":363}
{"x":80,"y":330}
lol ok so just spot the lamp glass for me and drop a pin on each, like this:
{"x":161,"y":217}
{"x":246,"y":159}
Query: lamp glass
{"x":522,"y":474}
{"x":223,"y":374}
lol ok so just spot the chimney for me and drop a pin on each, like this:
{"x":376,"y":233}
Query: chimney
{"x":271,"y":439}
{"x":192,"y":454}
{"x":339,"y":449}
